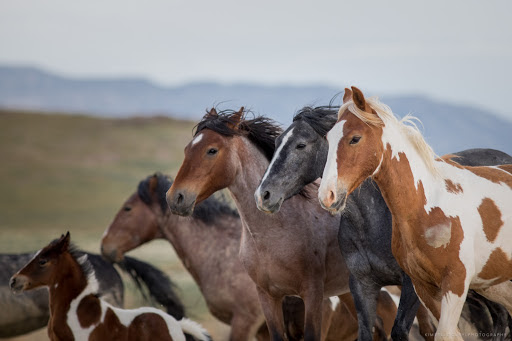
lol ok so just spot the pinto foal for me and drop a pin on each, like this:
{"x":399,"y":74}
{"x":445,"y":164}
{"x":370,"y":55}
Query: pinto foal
{"x":76,"y":311}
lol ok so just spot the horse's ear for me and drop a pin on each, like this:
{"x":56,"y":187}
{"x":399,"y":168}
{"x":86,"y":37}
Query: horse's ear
{"x":64,"y":242}
{"x":213,"y":112}
{"x":358,"y":98}
{"x":153,"y":184}
{"x":236,"y":118}
{"x":347,"y":96}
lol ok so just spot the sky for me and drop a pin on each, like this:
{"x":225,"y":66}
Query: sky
{"x":452,"y":50}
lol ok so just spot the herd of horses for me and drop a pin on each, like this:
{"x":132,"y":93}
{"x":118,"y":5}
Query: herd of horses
{"x":343,"y":203}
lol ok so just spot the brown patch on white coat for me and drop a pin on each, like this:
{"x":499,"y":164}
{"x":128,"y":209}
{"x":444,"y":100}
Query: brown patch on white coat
{"x":434,"y":204}
{"x":76,"y":311}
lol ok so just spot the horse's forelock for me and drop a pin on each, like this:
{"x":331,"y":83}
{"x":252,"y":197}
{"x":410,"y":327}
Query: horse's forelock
{"x":406,"y":125}
{"x":321,"y":119}
{"x":262,"y":131}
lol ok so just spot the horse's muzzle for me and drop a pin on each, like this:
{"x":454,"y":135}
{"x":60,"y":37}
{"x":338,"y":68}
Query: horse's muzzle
{"x":111,"y":254}
{"x":17,"y":283}
{"x":266,"y":202}
{"x":334,"y":203}
{"x":181,"y":202}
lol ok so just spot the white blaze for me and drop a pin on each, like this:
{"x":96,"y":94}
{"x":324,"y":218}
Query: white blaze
{"x":274,"y":158}
{"x":330,"y":175}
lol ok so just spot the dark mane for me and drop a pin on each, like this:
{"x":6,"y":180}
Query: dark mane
{"x":321,"y":119}
{"x":86,"y":265}
{"x":207,"y":211}
{"x":164,"y":182}
{"x":262,"y":131}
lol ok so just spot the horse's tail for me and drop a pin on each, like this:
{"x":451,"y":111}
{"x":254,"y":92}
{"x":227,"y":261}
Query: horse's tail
{"x":159,"y":286}
{"x":492,"y":326}
{"x":194,"y":331}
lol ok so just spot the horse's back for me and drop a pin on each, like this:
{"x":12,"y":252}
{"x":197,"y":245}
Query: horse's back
{"x":111,"y":283}
{"x":482,"y":157}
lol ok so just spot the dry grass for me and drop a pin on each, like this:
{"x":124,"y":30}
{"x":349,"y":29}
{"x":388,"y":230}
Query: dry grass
{"x":62,"y":172}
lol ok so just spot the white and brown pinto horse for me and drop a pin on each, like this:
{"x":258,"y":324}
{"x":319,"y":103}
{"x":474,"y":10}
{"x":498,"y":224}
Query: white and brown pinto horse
{"x":452,"y":225}
{"x":76,"y":311}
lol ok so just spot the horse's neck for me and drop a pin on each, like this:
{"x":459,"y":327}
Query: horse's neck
{"x":194,"y":241}
{"x":69,"y":285}
{"x":252,"y":167}
{"x":402,"y":178}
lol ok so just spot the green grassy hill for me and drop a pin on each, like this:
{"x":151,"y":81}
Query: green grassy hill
{"x":69,"y":172}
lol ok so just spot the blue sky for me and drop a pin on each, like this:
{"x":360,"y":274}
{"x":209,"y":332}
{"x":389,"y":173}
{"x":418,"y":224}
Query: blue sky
{"x":458,"y":51}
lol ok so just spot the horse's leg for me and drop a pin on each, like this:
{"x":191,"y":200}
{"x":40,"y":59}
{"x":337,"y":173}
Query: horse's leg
{"x":448,"y":310}
{"x":313,"y":303}
{"x":429,"y":301}
{"x":262,"y":333}
{"x":386,"y":313}
{"x":344,"y":323}
{"x":500,"y":317}
{"x":243,"y":327}
{"x":273,"y":311}
{"x":426,"y":328}
{"x":451,"y":308}
{"x":407,"y":309}
{"x":499,"y":293}
{"x":328,"y":311}
{"x":365,"y":298}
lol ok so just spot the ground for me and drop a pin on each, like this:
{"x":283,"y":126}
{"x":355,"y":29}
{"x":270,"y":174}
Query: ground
{"x":73,"y":172}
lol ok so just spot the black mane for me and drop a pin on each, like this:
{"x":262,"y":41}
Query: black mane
{"x":262,"y":131}
{"x":207,"y":211}
{"x":164,"y":182}
{"x":321,"y":119}
{"x":86,"y":265}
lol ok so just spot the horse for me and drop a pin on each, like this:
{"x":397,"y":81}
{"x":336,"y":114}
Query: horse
{"x":285,"y":254}
{"x":365,"y":230}
{"x":207,"y":244}
{"x":22,"y":314}
{"x":76,"y":310}
{"x":450,"y":223}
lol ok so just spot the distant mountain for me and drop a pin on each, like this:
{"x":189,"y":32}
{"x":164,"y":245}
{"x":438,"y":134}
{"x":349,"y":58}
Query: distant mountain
{"x":447,"y":127}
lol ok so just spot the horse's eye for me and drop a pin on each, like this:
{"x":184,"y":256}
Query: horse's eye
{"x":127,"y":208}
{"x":212,"y":151}
{"x":42,"y":262}
{"x":301,"y":146}
{"x":355,"y":139}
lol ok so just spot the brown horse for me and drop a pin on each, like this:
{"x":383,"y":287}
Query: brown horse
{"x":293,"y":252}
{"x":76,"y":311}
{"x":452,"y":224}
{"x":208,"y":244}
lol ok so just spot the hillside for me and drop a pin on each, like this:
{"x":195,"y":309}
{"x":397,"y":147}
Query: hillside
{"x":71,"y":172}
{"x":447,"y":127}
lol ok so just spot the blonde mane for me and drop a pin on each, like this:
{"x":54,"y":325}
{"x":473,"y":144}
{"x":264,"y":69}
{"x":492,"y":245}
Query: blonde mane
{"x":407,"y":126}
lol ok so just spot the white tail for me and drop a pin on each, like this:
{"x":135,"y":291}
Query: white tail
{"x":195,"y":329}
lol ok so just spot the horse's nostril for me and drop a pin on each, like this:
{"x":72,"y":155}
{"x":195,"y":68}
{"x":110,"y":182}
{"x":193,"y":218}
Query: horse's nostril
{"x":180,"y":199}
{"x":266,"y":195}
{"x":331,"y":196}
{"x":13,"y":282}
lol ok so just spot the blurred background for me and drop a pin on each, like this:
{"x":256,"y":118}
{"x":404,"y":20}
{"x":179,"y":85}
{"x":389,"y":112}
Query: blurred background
{"x":97,"y":95}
